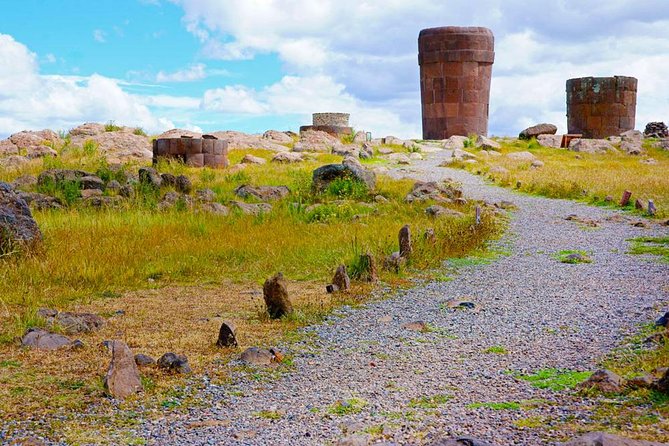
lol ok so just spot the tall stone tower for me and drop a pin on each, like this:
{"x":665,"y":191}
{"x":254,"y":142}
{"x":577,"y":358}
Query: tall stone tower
{"x":455,"y":73}
{"x":599,"y":107}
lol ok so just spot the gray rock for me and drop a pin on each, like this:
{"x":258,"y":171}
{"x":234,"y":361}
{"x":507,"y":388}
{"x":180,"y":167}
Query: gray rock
{"x":536,"y":130}
{"x":288,"y":157}
{"x":73,"y":323}
{"x":171,"y":362}
{"x":591,"y":146}
{"x":553,"y":141}
{"x":183,"y":184}
{"x":275,"y":294}
{"x":256,"y":356}
{"x":521,"y":156}
{"x":252,"y":208}
{"x":439,"y":211}
{"x":18,"y":229}
{"x":604,"y":439}
{"x":122,"y":378}
{"x":149,"y":176}
{"x":205,"y":195}
{"x":43,"y":340}
{"x":325,"y":175}
{"x":250,"y":159}
{"x":341,"y":279}
{"x":227,"y":335}
{"x":143,"y":360}
{"x":263,"y":193}
{"x":168,"y":180}
{"x":605,"y":381}
{"x":41,"y":202}
{"x":486,"y":143}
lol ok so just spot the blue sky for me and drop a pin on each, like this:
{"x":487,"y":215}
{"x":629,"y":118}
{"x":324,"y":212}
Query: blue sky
{"x":251,"y":65}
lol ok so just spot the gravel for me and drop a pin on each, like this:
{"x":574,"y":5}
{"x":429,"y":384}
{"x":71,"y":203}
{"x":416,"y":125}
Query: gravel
{"x":546,"y":314}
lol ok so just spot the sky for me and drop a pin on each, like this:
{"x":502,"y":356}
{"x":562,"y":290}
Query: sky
{"x":253,"y":65}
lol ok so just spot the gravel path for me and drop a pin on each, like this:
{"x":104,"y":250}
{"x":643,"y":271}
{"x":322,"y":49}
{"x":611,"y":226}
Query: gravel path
{"x":544,"y":313}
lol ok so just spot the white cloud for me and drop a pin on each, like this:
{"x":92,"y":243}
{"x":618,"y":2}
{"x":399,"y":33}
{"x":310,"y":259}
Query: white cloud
{"x":99,"y":36}
{"x":370,"y":48}
{"x":29,"y":100}
{"x":194,"y":72}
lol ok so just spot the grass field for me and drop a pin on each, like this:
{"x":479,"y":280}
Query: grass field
{"x":177,"y":274}
{"x":581,"y":176}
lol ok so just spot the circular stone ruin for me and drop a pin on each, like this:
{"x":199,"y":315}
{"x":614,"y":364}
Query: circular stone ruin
{"x":455,"y":73}
{"x":598,"y":107}
{"x":207,"y":151}
{"x":335,"y":124}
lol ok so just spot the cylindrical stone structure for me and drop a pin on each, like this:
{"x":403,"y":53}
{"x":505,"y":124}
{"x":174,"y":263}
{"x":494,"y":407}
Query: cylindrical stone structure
{"x":332,"y":119}
{"x":599,"y":107}
{"x":195,"y":152}
{"x":455,"y":73}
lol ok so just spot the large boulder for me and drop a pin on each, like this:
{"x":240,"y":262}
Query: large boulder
{"x":121,"y":146}
{"x":536,"y":130}
{"x":44,"y":340}
{"x":349,"y":169}
{"x":656,"y":130}
{"x":522,"y":156}
{"x":278,"y":137}
{"x":604,"y":439}
{"x":122,"y":379}
{"x":591,"y":145}
{"x":36,"y":144}
{"x":553,"y":141}
{"x":455,"y":142}
{"x":18,"y":229}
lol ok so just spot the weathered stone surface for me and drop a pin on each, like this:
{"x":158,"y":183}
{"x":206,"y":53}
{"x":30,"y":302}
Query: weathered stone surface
{"x":143,"y":360}
{"x":431,"y":190}
{"x":87,"y":129}
{"x":604,"y":439}
{"x":150,"y":177}
{"x":485,"y":143}
{"x":8,"y":148}
{"x":256,"y":356}
{"x":252,"y":208}
{"x":553,"y":141}
{"x":36,"y":144}
{"x":52,"y":176}
{"x":455,"y":142}
{"x":346,"y":150}
{"x":663,"y":383}
{"x":43,"y":340}
{"x":122,"y":379}
{"x":77,"y":322}
{"x":349,"y":169}
{"x":439,"y":211}
{"x":13,"y":162}
{"x":215,"y":208}
{"x":341,"y":279}
{"x":264,"y":193}
{"x":536,"y":130}
{"x":591,"y":145}
{"x":355,"y":440}
{"x":119,"y":146}
{"x":605,"y":381}
{"x":288,"y":157}
{"x":275,"y":294}
{"x":656,"y":130}
{"x":250,"y":159}
{"x":183,"y":184}
{"x":462,"y":441}
{"x":18,"y":229}
{"x":368,"y":271}
{"x":227,"y":336}
{"x":399,"y":158}
{"x":41,"y":202}
{"x":404,"y":238}
{"x":171,"y":362}
{"x":278,"y":137}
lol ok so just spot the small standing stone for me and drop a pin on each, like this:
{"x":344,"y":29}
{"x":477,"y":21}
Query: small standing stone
{"x":626,"y":198}
{"x":478,"y":215}
{"x":172,"y":362}
{"x":405,"y":242}
{"x":638,"y":205}
{"x":368,"y":268}
{"x":122,"y":379}
{"x":341,"y":279}
{"x":605,"y":381}
{"x":651,"y":208}
{"x":275,"y":292}
{"x":226,"y":335}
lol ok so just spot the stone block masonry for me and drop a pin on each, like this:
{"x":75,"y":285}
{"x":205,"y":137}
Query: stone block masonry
{"x":195,"y":152}
{"x":455,"y":73}
{"x":599,"y":107}
{"x":336,"y":124}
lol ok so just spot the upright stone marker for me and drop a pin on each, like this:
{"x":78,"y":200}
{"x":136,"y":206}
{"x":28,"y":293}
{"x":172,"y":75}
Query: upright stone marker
{"x":455,"y":72}
{"x":599,"y":107}
{"x":405,"y":242}
{"x":275,"y":292}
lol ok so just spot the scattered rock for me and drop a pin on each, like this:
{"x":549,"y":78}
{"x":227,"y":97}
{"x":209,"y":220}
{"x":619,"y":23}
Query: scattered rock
{"x":423,"y":191}
{"x":355,"y":440}
{"x":605,"y":381}
{"x":536,"y":164}
{"x":416,"y":326}
{"x":485,"y":143}
{"x":278,"y":137}
{"x":205,"y":195}
{"x":288,"y":157}
{"x":90,"y":193}
{"x":463,"y":304}
{"x":584,"y":221}
{"x":462,"y":441}
{"x":18,"y":229}
{"x":404,"y":238}
{"x":455,"y":142}
{"x":264,"y":193}
{"x":252,"y":208}
{"x":521,"y":156}
{"x":341,"y":279}
{"x":275,"y":293}
{"x":122,"y":379}
{"x":77,"y":322}
{"x":536,"y":130}
{"x":656,"y":130}
{"x":459,"y":154}
{"x":43,"y":340}
{"x":215,"y":208}
{"x":250,"y":159}
{"x":604,"y":439}
{"x":552,"y":141}
{"x":437,"y":211}
{"x":500,"y":170}
{"x":349,"y":169}
{"x":41,"y":202}
{"x":644,"y":381}
{"x":149,"y":176}
{"x":591,"y":145}
{"x":394,"y":262}
{"x":227,"y":335}
{"x":346,"y":150}
{"x":399,"y":158}
{"x":257,"y":356}
{"x":171,"y":362}
{"x":183,"y":184}
{"x":143,"y":360}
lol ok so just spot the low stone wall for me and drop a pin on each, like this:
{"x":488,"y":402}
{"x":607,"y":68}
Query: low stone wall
{"x":195,"y":152}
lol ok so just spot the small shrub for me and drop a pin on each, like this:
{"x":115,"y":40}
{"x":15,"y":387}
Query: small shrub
{"x":139,"y":132}
{"x":90,"y":147}
{"x":111,"y":126}
{"x":496,"y":349}
{"x":347,"y":407}
{"x":429,"y":402}
{"x":347,"y":188}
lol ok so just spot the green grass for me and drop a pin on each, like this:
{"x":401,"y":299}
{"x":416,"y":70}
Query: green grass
{"x":496,"y":349}
{"x":657,"y":246}
{"x":555,"y":379}
{"x":573,"y":257}
{"x":269,"y":414}
{"x":429,"y":402}
{"x":111,"y":126}
{"x":509,"y":405}
{"x":347,"y":407}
